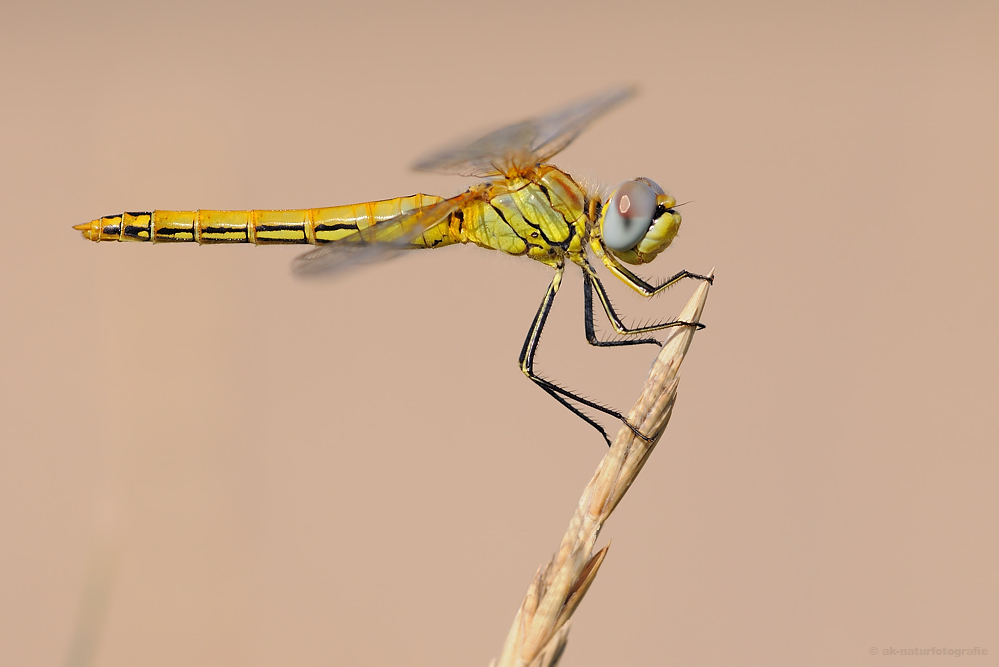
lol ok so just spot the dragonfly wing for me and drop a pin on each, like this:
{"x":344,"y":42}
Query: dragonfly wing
{"x":557,"y":130}
{"x":517,"y":147}
{"x":379,"y":241}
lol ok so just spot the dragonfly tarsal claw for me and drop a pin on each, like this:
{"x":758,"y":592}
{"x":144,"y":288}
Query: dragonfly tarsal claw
{"x":638,"y":433}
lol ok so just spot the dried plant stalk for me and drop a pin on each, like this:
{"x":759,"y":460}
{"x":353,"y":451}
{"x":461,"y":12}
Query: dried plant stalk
{"x":540,"y":629}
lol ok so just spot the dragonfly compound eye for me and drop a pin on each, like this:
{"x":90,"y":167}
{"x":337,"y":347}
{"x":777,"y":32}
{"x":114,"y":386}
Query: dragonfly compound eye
{"x":628,"y":215}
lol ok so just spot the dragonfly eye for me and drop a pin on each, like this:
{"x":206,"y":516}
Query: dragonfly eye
{"x":652,"y":184}
{"x":628,"y":215}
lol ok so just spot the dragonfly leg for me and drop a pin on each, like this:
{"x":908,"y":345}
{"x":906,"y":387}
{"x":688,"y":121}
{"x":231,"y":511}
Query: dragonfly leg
{"x":561,"y":394}
{"x":591,"y":283}
{"x":641,"y":286}
{"x":591,"y":334}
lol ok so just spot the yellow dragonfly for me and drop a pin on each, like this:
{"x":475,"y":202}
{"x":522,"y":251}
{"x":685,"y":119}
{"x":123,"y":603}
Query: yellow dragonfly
{"x":527,"y":207}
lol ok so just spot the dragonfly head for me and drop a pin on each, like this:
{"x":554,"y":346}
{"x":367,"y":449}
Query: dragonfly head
{"x":638,"y":221}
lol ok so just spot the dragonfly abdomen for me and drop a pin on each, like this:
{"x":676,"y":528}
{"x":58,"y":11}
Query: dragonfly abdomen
{"x":262,"y":227}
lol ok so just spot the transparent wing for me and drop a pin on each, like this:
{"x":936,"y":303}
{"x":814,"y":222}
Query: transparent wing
{"x":520,"y":146}
{"x":380,"y":241}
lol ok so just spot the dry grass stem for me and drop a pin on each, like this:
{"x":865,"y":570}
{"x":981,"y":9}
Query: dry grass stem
{"x":540,"y":629}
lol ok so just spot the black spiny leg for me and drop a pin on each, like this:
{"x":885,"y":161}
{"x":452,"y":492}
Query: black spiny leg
{"x":591,"y":334}
{"x":558,"y":393}
{"x":592,"y":282}
{"x":643,"y":287}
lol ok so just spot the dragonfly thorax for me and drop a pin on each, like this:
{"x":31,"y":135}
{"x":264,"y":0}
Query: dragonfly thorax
{"x":540,"y":214}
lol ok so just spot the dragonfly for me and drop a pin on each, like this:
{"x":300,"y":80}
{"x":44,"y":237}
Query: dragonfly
{"x":525,"y":207}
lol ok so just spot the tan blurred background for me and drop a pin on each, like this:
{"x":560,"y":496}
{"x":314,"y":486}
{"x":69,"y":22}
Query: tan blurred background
{"x":207,"y":462}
